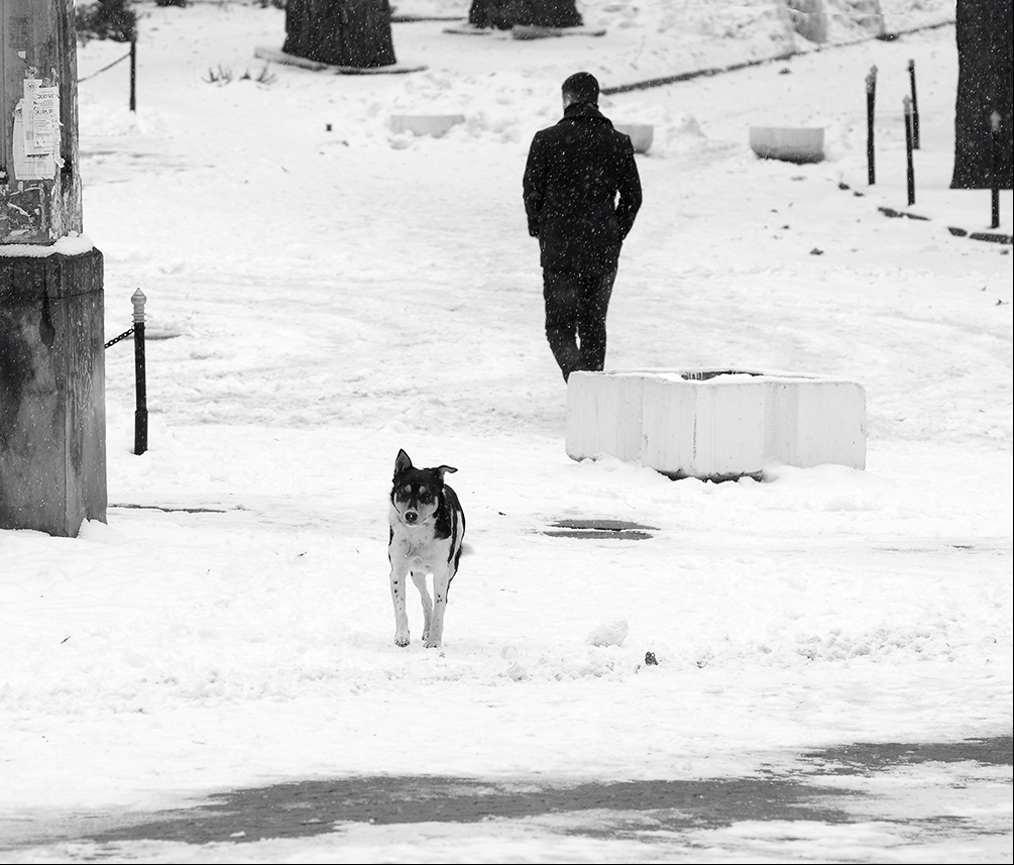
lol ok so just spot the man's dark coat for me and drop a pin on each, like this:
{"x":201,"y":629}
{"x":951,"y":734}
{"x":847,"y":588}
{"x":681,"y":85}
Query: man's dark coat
{"x":575,"y":170}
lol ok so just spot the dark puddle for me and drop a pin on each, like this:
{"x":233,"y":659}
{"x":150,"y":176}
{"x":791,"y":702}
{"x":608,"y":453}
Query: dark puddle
{"x":864,"y":758}
{"x":620,"y":530}
{"x":307,"y":808}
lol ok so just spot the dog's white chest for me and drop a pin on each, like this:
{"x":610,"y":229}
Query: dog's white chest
{"x":417,"y":546}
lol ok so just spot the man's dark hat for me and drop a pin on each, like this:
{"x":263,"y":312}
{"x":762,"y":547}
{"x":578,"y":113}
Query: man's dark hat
{"x":582,"y":87}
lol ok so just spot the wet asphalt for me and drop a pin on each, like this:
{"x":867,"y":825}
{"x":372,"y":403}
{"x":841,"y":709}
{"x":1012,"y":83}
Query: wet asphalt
{"x":305,"y":808}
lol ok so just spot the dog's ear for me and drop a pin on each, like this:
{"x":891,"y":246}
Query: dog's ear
{"x":443,"y":469}
{"x":402,"y":462}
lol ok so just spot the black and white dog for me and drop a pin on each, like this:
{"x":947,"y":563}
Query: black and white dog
{"x":427,"y":527}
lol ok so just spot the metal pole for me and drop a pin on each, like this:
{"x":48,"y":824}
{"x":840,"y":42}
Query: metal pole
{"x":871,"y":97}
{"x":141,"y":410}
{"x":908,"y":150}
{"x":994,"y":123}
{"x":915,"y":106}
{"x":133,"y":74}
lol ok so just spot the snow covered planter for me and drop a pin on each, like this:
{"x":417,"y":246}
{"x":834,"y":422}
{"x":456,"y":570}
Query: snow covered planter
{"x":716,"y":424}
{"x":641,"y":134}
{"x":436,"y":125}
{"x":805,"y":144}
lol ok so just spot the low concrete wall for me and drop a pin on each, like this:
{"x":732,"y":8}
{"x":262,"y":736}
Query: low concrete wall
{"x":716,"y":424}
{"x":52,"y":392}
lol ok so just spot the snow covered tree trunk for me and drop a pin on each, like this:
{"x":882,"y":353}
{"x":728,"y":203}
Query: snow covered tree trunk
{"x":504,"y":14}
{"x":984,"y":38}
{"x":340,"y":32}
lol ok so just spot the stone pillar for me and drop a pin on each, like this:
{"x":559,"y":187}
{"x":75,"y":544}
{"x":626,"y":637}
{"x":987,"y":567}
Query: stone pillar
{"x":52,"y":392}
{"x":52,"y":365}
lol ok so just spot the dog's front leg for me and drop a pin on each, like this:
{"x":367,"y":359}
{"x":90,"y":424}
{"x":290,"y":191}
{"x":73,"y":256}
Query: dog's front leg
{"x":398,"y":588}
{"x":419,"y":578}
{"x":436,"y":631}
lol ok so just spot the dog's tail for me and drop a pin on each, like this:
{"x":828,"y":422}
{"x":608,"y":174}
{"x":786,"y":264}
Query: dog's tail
{"x":467,"y":549}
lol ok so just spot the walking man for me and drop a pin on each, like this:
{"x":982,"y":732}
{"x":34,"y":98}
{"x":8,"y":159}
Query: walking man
{"x":575,"y":171}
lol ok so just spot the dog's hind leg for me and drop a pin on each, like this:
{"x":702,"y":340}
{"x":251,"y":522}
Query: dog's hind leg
{"x":398,"y":588}
{"x":419,"y":578}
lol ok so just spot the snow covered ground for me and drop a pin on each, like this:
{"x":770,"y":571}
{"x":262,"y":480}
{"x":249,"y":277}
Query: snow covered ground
{"x":323,"y":292}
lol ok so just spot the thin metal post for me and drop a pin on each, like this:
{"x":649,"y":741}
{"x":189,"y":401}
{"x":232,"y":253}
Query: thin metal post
{"x":133,"y":74}
{"x":994,"y":135}
{"x":915,"y":106}
{"x":141,"y":410}
{"x":908,"y":150}
{"x":871,"y":98}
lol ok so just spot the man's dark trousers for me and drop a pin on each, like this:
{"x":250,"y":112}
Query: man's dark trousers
{"x":576,"y":307}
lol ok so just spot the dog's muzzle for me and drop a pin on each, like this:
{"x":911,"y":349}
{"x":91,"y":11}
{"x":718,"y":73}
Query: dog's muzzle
{"x":411,"y":517}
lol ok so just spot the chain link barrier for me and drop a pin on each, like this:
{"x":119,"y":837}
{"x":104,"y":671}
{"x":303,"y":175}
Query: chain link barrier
{"x":116,"y":339}
{"x":104,"y":68}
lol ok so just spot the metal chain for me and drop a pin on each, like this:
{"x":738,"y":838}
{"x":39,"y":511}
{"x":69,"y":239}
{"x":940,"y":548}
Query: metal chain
{"x":104,"y":68}
{"x":123,"y":335}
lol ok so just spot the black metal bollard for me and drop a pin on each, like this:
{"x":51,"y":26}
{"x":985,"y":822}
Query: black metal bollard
{"x":140,"y":388}
{"x":133,"y":74}
{"x":908,"y":150}
{"x":871,"y":98}
{"x":915,"y":106}
{"x":994,"y":135}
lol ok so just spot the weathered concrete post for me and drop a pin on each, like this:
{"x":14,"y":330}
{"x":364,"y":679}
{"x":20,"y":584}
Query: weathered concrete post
{"x":52,"y":367}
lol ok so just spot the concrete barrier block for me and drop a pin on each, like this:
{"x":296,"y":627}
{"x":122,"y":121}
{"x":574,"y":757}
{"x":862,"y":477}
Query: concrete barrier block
{"x":799,"y":145}
{"x":813,"y":422}
{"x":641,"y":135}
{"x":695,"y":429}
{"x":436,"y":125}
{"x":604,"y":415}
{"x":716,"y":424}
